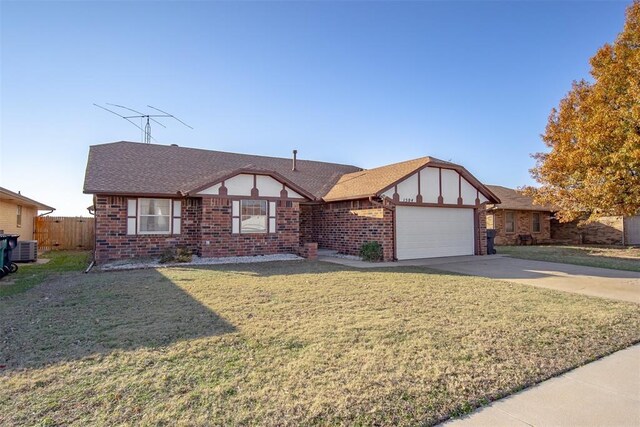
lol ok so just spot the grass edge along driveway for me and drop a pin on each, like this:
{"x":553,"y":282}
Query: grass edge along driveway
{"x":612,"y":257}
{"x":288,"y":343}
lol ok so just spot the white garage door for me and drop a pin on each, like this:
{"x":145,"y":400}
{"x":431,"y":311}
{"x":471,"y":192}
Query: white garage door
{"x":433,"y":232}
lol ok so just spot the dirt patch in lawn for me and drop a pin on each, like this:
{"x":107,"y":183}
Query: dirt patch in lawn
{"x":288,"y":343}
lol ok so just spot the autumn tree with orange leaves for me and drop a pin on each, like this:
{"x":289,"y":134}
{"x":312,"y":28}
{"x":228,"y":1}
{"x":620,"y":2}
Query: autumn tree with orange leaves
{"x":593,"y":166}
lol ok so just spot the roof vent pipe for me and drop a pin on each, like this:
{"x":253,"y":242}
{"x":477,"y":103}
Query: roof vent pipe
{"x":295,"y":154}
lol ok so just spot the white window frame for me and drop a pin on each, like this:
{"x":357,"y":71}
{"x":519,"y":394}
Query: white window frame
{"x":169,"y":217}
{"x":266,"y":216}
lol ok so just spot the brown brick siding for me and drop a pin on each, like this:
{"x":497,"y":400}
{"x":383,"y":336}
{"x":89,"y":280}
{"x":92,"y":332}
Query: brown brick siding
{"x":206,"y":230}
{"x":308,"y":251}
{"x":216,"y":229}
{"x":481,"y":241}
{"x":306,"y":224}
{"x":524,"y":225}
{"x":203,"y":220}
{"x":605,"y":231}
{"x":339,"y":227}
{"x":112,"y":241}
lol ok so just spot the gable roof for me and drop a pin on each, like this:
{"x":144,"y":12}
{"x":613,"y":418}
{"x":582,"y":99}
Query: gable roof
{"x":132,"y":168}
{"x":19,"y":199}
{"x":514,"y":200}
{"x":373,"y":182}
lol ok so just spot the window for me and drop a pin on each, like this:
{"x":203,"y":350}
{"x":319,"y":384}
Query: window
{"x":490,"y":221}
{"x":19,"y":216}
{"x":154,"y":216}
{"x":535,"y":217}
{"x":253,"y":216}
{"x":510,"y":222}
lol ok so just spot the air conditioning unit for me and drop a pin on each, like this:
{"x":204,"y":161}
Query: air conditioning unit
{"x":27,"y":250}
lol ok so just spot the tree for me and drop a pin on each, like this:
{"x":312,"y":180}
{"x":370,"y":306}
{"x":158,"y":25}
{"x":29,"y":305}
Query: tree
{"x":593,"y":166}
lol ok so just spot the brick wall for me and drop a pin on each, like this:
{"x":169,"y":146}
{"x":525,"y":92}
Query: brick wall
{"x":524,"y":225}
{"x":113,"y":243}
{"x":340,"y":227}
{"x":203,"y":220}
{"x":605,"y":231}
{"x":481,"y":242}
{"x":306,"y":224}
{"x":216,"y":239}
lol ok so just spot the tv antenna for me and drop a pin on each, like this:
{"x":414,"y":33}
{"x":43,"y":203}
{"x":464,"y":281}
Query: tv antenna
{"x":146,"y":131}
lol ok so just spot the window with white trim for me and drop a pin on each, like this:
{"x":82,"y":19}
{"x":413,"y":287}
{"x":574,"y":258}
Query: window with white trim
{"x":253,"y":216}
{"x":153,"y":216}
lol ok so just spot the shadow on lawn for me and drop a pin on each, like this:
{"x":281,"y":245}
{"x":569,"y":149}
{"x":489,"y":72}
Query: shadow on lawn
{"x":77,"y":315}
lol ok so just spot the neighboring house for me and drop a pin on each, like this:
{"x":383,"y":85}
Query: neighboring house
{"x":516,"y":215}
{"x":17,"y":213}
{"x":150,"y":197}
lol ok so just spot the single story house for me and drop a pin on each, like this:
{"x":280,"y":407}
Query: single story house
{"x":150,"y":197}
{"x":516,"y":215}
{"x":18,"y":213}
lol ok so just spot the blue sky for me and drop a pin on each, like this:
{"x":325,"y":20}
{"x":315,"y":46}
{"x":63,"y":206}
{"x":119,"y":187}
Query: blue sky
{"x":363,"y":83}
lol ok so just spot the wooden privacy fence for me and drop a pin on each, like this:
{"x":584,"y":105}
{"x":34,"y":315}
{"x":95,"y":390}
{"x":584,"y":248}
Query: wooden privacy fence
{"x":60,"y":232}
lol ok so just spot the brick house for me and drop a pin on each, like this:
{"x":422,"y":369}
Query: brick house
{"x":516,"y":214}
{"x":150,"y":197}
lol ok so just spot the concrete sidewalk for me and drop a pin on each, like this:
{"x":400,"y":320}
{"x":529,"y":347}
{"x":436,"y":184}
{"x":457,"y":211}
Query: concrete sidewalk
{"x":603,"y":393}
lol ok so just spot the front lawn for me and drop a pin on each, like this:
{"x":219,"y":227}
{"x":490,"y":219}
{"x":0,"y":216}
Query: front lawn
{"x":615,"y":257}
{"x":32,"y":274}
{"x":287,"y":343}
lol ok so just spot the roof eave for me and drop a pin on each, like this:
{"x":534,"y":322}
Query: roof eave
{"x":270,"y":173}
{"x":25,"y":201}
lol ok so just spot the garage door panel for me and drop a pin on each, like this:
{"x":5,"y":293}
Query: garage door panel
{"x":423,"y":232}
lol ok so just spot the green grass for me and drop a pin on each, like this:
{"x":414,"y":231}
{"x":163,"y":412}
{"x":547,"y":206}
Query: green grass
{"x":289,"y":343}
{"x":614,"y":257}
{"x":30,"y":275}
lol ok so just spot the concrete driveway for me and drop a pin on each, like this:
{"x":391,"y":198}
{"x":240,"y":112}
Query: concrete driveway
{"x":599,"y":282}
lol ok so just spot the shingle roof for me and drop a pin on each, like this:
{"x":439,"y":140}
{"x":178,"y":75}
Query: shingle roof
{"x":514,"y":200}
{"x":372,"y":182}
{"x":22,"y":200}
{"x":136,"y":168}
{"x":368,"y":182}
